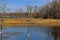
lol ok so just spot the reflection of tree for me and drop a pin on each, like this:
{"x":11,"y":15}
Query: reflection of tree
{"x":28,"y":33}
{"x":55,"y":33}
{"x":7,"y":35}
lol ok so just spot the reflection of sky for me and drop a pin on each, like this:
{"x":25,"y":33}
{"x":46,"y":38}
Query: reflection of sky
{"x":14,"y":4}
{"x":36,"y":33}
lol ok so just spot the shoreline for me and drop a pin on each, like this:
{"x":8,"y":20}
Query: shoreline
{"x":30,"y":22}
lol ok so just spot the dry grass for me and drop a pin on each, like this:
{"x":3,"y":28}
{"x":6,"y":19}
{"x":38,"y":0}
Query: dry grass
{"x":30,"y":22}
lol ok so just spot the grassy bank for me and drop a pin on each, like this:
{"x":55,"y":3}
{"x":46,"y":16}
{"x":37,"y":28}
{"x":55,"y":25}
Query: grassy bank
{"x":30,"y":22}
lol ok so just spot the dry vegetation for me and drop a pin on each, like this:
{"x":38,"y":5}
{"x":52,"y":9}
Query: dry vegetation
{"x":30,"y":22}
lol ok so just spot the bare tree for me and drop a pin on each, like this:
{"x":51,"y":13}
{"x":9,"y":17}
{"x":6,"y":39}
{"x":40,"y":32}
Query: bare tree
{"x":3,"y":6}
{"x":19,"y":10}
{"x":29,"y":10}
{"x":55,"y":7}
{"x":52,"y":10}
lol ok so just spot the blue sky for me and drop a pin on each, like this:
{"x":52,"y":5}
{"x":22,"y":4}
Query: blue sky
{"x":15,"y":4}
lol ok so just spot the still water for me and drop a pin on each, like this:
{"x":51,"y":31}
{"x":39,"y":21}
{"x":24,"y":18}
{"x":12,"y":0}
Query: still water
{"x":26,"y":33}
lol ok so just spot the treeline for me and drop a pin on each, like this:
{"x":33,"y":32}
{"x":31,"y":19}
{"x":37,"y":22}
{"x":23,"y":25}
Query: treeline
{"x":51,"y":10}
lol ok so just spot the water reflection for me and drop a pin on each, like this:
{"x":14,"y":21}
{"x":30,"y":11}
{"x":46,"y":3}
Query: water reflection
{"x":27,"y":33}
{"x":0,"y":33}
{"x":9,"y":34}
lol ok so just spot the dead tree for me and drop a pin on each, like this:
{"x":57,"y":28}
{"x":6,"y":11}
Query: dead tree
{"x":29,"y":10}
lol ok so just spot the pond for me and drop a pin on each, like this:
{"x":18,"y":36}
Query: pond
{"x":26,"y":33}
